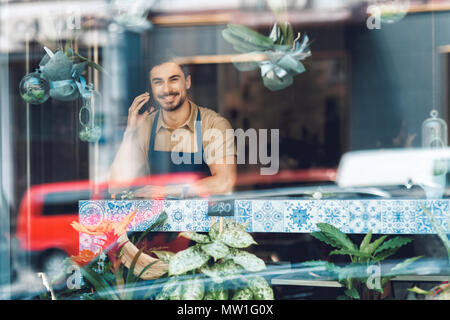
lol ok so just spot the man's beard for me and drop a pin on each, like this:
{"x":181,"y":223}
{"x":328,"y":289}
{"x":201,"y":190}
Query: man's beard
{"x":171,"y":109}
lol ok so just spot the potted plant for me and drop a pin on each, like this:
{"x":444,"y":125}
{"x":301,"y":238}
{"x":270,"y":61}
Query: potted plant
{"x":357,"y":277}
{"x":216,"y":267}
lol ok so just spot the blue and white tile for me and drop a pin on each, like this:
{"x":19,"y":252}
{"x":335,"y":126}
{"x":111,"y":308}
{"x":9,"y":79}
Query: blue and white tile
{"x":300,"y":216}
{"x":334,"y":212}
{"x":399,"y":216}
{"x":364,"y":216}
{"x":243,"y":213}
{"x":439,"y":210}
{"x":268,"y":216}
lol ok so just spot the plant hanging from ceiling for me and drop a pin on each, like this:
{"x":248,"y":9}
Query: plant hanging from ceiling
{"x":59,"y":76}
{"x":277,"y":55}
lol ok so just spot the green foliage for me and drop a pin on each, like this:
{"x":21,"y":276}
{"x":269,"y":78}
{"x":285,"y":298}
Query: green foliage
{"x":283,"y":52}
{"x":103,"y":280}
{"x":353,"y":276}
{"x":217,"y":258}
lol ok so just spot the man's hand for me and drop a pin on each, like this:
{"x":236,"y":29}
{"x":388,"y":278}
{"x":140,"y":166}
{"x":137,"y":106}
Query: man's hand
{"x":134,"y":118}
{"x":150,"y":192}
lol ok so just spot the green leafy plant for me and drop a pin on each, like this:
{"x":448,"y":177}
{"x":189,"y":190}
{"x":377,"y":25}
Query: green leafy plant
{"x":214,"y":268}
{"x":281,"y":49}
{"x":354,"y":276}
{"x":105,"y":277}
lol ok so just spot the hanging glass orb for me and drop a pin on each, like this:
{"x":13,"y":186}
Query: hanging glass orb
{"x":90,"y":134}
{"x":434,"y":132}
{"x":34,"y":89}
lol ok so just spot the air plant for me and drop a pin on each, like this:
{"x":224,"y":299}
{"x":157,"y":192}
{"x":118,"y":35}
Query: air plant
{"x":277,"y":55}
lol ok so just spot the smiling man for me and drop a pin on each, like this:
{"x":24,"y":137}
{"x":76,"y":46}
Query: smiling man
{"x":172,"y":136}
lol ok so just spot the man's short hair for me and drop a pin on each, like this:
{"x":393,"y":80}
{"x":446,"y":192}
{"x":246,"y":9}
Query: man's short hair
{"x":164,"y":58}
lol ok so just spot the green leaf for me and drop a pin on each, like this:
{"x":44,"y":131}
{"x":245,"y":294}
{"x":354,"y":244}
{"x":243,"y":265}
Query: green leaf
{"x":193,"y":290}
{"x":289,"y":34}
{"x":396,"y":242}
{"x":352,"y":293}
{"x":401,"y":268}
{"x":337,"y":236}
{"x":158,"y":222}
{"x":250,"y":36}
{"x":354,"y":253}
{"x":420,"y":291}
{"x":227,"y":223}
{"x":163,"y":255}
{"x":374,"y":245}
{"x":239,"y":44}
{"x":260,"y":288}
{"x":216,"y":291}
{"x":220,"y":272}
{"x":322,"y":237}
{"x":243,"y":294}
{"x":348,"y":272}
{"x":130,"y":275}
{"x":248,"y":261}
{"x":384,"y":254}
{"x":104,"y":290}
{"x":233,"y":234}
{"x":275,"y":33}
{"x":177,"y":292}
{"x":366,"y":241}
{"x":288,"y":63}
{"x":194,"y":236}
{"x":331,"y":267}
{"x":167,"y":289}
{"x":187,"y":260}
{"x":216,"y":249}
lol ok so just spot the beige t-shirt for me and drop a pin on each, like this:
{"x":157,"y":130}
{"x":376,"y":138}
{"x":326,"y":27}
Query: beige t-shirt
{"x":217,"y":140}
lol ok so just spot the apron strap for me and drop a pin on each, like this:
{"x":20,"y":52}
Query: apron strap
{"x":198,"y":132}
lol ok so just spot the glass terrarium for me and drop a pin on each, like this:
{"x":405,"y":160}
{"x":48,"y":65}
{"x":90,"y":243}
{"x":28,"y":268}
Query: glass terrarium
{"x":34,"y":89}
{"x":434,"y":132}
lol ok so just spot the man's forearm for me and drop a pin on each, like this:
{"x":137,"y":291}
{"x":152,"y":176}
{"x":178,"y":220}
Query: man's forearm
{"x":127,"y":162}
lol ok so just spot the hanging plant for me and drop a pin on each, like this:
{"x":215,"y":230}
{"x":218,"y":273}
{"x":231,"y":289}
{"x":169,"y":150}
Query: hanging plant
{"x":281,"y":53}
{"x":59,"y":76}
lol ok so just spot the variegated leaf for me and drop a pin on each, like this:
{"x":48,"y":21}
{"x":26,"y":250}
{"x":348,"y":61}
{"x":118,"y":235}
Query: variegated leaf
{"x":194,"y":236}
{"x":215,"y":228}
{"x":220,"y":272}
{"x":243,"y":294}
{"x":177,"y":293}
{"x":248,"y":261}
{"x":193,"y":290}
{"x":187,"y":260}
{"x":260,"y":288}
{"x":164,"y":256}
{"x":218,"y":291}
{"x":216,"y":249}
{"x":234,"y":235}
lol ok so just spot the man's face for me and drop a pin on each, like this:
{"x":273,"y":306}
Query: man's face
{"x":169,"y":85}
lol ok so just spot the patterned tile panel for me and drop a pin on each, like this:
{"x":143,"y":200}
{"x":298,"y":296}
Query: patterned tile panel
{"x":298,"y":216}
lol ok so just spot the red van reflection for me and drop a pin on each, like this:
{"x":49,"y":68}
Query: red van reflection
{"x":47,"y":210}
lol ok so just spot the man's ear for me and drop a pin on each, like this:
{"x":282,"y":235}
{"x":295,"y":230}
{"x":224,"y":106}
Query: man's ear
{"x":188,"y":82}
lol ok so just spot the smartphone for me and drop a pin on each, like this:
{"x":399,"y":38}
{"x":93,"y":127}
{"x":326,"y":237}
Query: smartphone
{"x":151,"y":103}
